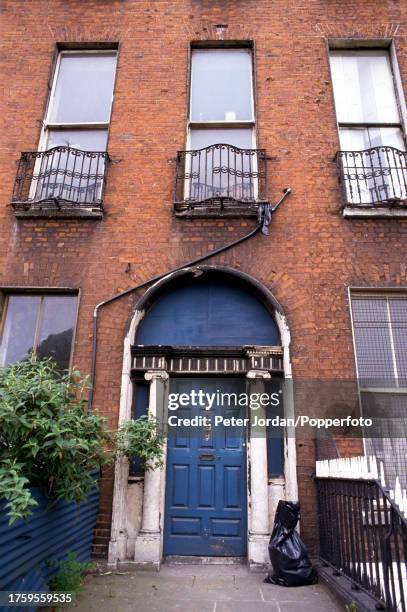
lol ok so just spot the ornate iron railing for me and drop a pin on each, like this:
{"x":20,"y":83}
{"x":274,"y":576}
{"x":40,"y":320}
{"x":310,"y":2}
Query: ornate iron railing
{"x":374,"y":176}
{"x":61,"y":177}
{"x":221,"y":176}
{"x":363,"y":535}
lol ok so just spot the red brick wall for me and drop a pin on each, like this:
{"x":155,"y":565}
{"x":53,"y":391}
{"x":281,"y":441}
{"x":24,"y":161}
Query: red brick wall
{"x":312,"y":254}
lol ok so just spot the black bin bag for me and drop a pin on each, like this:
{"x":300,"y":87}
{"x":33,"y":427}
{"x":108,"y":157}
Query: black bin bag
{"x":288,"y":555}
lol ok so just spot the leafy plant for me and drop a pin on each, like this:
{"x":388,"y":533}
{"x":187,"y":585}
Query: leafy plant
{"x":352,"y":607}
{"x":69,"y":577}
{"x":47,"y":438}
{"x":140,"y":438}
{"x":13,"y":487}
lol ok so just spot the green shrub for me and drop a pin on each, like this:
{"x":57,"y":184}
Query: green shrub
{"x":140,"y":438}
{"x":68,"y":579}
{"x":47,"y":438}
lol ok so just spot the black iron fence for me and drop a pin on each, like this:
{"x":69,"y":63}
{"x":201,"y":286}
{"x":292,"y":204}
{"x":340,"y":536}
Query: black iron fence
{"x":220,"y":174}
{"x":363,"y":534}
{"x":60,"y":177}
{"x":374,"y":176}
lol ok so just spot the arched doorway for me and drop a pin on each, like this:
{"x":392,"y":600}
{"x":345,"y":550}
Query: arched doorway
{"x":214,"y":332}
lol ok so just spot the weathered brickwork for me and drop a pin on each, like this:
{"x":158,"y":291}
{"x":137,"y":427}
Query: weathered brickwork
{"x":312,"y":254}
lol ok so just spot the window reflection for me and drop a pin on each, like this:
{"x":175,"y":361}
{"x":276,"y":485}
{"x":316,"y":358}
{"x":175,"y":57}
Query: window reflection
{"x":43,"y":324}
{"x":19,"y":328}
{"x":56,"y":329}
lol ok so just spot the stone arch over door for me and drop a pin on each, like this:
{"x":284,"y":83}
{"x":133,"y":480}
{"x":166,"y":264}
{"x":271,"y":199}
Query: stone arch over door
{"x":183,"y":310}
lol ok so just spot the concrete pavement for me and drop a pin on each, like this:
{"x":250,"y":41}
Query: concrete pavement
{"x":198,"y":588}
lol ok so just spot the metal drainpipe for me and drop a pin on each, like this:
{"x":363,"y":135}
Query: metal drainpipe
{"x":154,"y":279}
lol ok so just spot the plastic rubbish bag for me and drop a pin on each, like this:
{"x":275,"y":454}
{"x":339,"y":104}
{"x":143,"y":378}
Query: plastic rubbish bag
{"x":287,"y":551}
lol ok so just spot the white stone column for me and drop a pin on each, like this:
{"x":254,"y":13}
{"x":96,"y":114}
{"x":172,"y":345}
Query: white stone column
{"x":259,"y":523}
{"x":148,"y":544}
{"x":290,"y":451}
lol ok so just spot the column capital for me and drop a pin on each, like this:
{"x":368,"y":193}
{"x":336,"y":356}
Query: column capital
{"x":260,"y":374}
{"x":156,"y":375}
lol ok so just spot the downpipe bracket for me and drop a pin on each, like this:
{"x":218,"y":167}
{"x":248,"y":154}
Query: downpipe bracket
{"x":266,"y":210}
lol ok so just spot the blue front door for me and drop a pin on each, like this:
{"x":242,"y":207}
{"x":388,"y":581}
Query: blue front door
{"x":206,"y":502}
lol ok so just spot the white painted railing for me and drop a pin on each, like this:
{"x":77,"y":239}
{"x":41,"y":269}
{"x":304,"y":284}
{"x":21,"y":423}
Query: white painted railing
{"x":362,"y":468}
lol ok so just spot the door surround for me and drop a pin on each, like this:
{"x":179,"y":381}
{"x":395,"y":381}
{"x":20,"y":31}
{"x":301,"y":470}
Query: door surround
{"x":148,"y":545}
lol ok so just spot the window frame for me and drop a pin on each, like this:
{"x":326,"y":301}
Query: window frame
{"x":368,"y":442}
{"x":47,"y":125}
{"x":6,"y":293}
{"x":223,"y":124}
{"x":386,"y":293}
{"x":351,"y":45}
{"x":367,"y":202}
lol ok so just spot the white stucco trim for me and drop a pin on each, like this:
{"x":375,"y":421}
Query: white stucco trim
{"x":258,"y":518}
{"x":118,"y":534}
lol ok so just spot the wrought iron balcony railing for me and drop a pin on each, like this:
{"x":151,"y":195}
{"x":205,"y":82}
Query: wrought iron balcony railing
{"x":376,"y":176}
{"x":221,"y":178}
{"x":61,"y":178}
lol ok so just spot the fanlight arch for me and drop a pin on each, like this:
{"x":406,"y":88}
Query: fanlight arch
{"x":212,"y":309}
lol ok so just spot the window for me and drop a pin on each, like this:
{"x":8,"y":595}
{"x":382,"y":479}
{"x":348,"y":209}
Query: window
{"x":370,"y":129}
{"x":380,"y":328}
{"x":81,"y":98}
{"x":380,"y":336}
{"x":141,"y":394}
{"x":221,"y":112}
{"x":41,"y":323}
{"x":77,"y":120}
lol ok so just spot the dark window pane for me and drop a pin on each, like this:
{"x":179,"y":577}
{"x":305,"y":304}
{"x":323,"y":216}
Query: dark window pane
{"x":140,"y":409}
{"x":275,"y":442}
{"x":56,"y":328}
{"x":19,"y":328}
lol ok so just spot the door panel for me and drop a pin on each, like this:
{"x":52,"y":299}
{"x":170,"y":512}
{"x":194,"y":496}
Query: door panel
{"x":180,"y":493}
{"x":206,"y":505}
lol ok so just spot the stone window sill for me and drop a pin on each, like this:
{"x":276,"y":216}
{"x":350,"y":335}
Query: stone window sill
{"x":65,"y":213}
{"x":376,"y":212}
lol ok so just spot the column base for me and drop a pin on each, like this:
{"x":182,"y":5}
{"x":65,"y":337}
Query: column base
{"x":147,"y":550}
{"x":258,"y":554}
{"x":117,"y":551}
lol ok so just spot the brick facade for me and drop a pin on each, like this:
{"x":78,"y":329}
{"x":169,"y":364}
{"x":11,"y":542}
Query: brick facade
{"x":312,"y":254}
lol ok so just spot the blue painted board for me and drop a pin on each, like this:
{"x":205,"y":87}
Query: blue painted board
{"x":208,"y":313}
